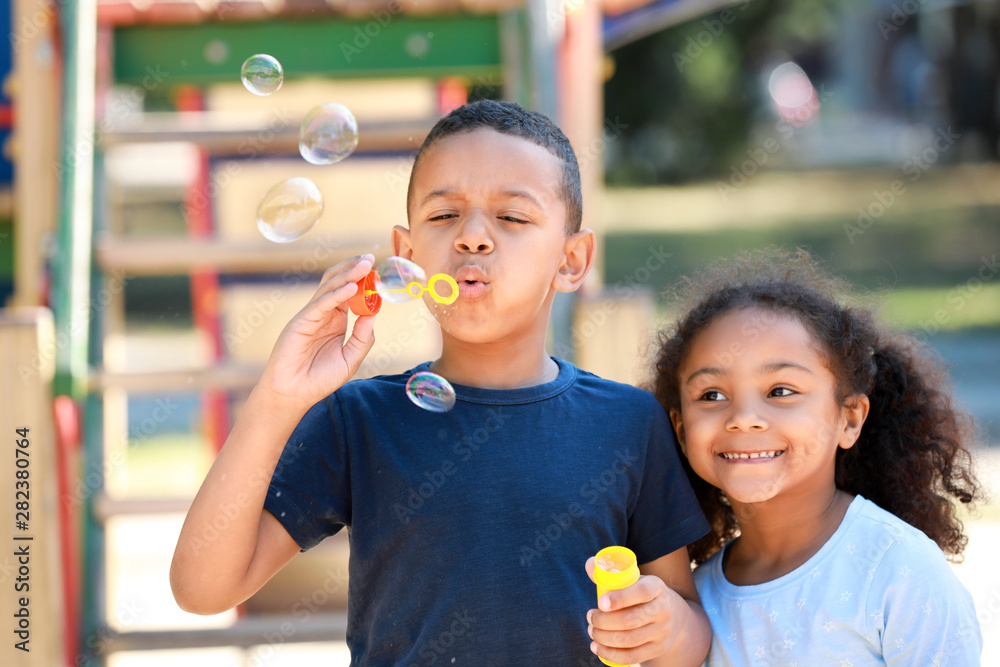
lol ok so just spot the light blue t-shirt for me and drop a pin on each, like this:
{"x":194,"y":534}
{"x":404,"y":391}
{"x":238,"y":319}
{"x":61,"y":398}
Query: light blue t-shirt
{"x":879,"y":592}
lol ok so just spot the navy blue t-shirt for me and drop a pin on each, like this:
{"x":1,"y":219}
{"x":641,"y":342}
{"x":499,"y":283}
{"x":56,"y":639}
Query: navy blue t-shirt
{"x":469,"y":529}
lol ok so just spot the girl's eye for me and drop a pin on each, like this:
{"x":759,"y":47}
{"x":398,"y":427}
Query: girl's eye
{"x":712,"y":395}
{"x":781,"y":392}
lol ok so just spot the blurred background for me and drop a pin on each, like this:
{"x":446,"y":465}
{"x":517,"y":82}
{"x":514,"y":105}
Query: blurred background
{"x":142,"y":299}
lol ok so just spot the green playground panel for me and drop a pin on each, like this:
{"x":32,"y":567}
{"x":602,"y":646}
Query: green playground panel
{"x":379,"y":46}
{"x":6,"y":249}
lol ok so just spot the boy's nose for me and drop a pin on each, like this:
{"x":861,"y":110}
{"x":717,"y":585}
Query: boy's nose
{"x":473,"y":235}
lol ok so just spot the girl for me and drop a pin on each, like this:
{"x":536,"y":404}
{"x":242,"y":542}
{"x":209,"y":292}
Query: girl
{"x":827,"y":459}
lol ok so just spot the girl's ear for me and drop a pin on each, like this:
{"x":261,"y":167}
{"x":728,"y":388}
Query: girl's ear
{"x":675,"y":419}
{"x":855,"y":412}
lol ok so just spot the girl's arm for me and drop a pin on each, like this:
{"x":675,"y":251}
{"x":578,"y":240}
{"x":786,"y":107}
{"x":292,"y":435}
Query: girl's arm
{"x":656,"y":621}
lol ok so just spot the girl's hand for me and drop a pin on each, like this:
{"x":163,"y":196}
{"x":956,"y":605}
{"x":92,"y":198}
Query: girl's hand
{"x":637,"y":623}
{"x":311,"y":359}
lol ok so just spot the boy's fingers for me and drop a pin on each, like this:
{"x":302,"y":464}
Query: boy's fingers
{"x":590,"y":567}
{"x":360,"y":343}
{"x":323,"y":304}
{"x":349,"y":271}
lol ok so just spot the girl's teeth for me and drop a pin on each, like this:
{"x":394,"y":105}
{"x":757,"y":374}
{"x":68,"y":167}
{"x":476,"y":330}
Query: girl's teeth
{"x":754,"y":455}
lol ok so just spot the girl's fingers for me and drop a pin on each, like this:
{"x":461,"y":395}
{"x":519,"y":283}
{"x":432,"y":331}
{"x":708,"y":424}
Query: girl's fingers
{"x":631,"y":656}
{"x":645,"y":590}
{"x":629,"y":636}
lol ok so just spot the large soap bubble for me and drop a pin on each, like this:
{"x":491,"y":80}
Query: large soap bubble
{"x":329,"y":133}
{"x":289,"y":209}
{"x":394,"y":277}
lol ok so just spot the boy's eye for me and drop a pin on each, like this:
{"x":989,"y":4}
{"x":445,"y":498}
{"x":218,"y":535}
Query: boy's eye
{"x":444,"y":216}
{"x":510,"y":218}
{"x":781,"y":392}
{"x":712,"y":395}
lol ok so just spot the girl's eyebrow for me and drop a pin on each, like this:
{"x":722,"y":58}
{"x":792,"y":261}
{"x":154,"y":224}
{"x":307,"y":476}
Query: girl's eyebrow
{"x":766,"y":369}
{"x":776,"y":366}
{"x":710,"y":370}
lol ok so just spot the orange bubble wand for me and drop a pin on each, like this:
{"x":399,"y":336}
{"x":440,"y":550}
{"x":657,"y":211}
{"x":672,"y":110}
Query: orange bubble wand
{"x":368,"y":300}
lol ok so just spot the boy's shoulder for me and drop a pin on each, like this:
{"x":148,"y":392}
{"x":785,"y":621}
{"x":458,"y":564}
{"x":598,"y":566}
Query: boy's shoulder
{"x":584,"y":388}
{"x":626,"y":392}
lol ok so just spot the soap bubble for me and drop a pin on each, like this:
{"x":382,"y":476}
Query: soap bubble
{"x":395,"y":275}
{"x":289,"y":209}
{"x":262,"y":75}
{"x":329,"y":133}
{"x":430,"y":391}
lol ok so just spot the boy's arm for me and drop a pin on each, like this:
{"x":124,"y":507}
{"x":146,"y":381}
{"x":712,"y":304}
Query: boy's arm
{"x":229,"y":545}
{"x":656,"y":621}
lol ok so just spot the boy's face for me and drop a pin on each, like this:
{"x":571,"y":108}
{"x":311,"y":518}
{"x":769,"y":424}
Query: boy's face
{"x":486,"y":209}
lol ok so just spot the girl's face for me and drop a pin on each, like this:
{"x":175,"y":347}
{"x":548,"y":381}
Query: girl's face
{"x":759,"y":414}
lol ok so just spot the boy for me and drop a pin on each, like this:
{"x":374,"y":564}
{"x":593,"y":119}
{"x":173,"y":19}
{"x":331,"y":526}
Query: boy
{"x":538,"y":465}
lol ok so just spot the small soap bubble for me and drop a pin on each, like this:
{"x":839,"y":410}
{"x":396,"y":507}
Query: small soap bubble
{"x":289,"y":209}
{"x":395,"y":275}
{"x":262,"y":74}
{"x":430,"y":391}
{"x":328,"y":134}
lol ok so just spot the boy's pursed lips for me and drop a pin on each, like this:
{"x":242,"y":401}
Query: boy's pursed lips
{"x":472,"y":282}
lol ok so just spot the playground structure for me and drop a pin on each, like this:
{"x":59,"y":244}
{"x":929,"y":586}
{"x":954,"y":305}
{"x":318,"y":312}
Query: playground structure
{"x":126,"y":107}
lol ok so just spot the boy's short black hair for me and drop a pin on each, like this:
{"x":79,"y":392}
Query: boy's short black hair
{"x":513,"y":119}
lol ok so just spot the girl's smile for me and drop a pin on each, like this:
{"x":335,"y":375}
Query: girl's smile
{"x":752,"y":457}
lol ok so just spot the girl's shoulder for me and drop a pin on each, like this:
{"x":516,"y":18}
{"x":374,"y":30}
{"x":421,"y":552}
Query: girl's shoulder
{"x":890,"y":551}
{"x":881,"y":530}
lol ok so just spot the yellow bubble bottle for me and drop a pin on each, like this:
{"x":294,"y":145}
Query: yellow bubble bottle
{"x":614,"y":568}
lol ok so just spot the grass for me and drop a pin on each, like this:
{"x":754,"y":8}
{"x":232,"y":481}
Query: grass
{"x":964,"y":306}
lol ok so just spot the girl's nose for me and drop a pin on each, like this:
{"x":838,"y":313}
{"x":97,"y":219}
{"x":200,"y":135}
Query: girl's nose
{"x":745,"y":417}
{"x":474,"y":234}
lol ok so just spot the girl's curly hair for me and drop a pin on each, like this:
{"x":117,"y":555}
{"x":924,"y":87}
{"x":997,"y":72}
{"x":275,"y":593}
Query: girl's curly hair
{"x":910,"y":458}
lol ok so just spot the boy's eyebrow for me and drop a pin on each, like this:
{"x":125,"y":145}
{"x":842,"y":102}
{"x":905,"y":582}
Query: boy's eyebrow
{"x":447,"y":193}
{"x":772,"y":367}
{"x":519,"y":194}
{"x":441,"y":193}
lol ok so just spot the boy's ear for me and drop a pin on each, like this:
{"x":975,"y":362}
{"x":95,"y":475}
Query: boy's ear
{"x":401,"y":242}
{"x":855,"y":412}
{"x":577,"y":259}
{"x":675,"y":419}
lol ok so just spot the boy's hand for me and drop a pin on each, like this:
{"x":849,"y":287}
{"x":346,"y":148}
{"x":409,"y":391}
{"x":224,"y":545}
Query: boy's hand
{"x":635,"y":624}
{"x":311,"y":359}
